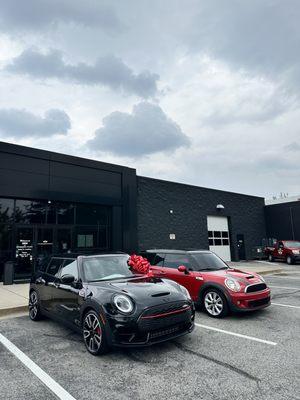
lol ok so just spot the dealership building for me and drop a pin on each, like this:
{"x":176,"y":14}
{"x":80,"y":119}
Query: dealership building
{"x":53,"y":203}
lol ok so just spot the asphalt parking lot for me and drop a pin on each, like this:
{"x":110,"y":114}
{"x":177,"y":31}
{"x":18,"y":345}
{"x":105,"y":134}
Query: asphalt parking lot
{"x":261,"y":362}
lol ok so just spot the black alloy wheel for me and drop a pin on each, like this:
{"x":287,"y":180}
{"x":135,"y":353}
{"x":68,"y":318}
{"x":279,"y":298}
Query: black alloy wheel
{"x":34,"y":306}
{"x":93,"y":334}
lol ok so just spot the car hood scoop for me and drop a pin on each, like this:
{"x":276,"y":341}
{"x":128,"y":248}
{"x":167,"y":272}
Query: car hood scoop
{"x":160,"y":294}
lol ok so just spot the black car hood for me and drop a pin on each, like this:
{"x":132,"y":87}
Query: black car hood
{"x":152,"y":290}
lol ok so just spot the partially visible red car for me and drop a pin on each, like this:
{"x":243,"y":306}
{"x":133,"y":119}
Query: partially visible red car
{"x":211,"y":283}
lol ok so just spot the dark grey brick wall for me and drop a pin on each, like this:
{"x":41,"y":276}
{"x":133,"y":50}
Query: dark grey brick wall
{"x":283,"y":220}
{"x":191,"y":205}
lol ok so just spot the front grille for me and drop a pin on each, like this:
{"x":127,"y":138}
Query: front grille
{"x":165,"y":316}
{"x":258,"y":303}
{"x":256,"y":287}
{"x":164,"y":332}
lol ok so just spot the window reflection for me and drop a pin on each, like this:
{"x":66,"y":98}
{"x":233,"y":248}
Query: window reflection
{"x":90,"y":214}
{"x":6,"y":210}
{"x":30,"y":212}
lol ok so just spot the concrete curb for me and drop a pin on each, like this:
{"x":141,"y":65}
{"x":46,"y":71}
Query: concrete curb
{"x":11,"y":310}
{"x":265,"y":272}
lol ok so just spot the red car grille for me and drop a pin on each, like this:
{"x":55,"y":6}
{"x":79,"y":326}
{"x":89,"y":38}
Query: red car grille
{"x":256,"y":287}
{"x":260,"y":302}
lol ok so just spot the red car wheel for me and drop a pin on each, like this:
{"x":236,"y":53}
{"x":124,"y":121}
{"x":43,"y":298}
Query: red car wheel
{"x":215,"y":303}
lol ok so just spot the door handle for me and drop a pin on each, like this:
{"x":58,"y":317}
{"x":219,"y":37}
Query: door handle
{"x":162,"y":273}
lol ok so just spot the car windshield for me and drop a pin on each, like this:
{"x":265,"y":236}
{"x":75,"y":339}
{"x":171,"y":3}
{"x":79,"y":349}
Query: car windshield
{"x":103,"y":268}
{"x":292,"y":244}
{"x":207,"y":261}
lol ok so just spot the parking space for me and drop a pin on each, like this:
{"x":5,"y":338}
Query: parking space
{"x":226,"y":363}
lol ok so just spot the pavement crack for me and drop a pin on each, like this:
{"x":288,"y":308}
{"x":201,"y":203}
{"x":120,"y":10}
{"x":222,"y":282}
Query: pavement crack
{"x":218,"y":362}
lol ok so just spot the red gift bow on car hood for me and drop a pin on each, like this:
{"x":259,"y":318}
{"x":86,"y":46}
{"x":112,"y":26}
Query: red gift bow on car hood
{"x":139,"y":264}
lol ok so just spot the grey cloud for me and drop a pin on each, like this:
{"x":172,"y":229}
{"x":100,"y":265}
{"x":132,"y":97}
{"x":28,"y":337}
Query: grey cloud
{"x":146,"y":131}
{"x":261,"y":36}
{"x":109,"y":71}
{"x":36,"y":14}
{"x":20,"y":123}
{"x":250,"y":111}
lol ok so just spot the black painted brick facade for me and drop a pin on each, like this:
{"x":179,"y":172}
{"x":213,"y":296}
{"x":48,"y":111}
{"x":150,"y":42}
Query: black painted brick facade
{"x":191,"y":205}
{"x":283,"y":220}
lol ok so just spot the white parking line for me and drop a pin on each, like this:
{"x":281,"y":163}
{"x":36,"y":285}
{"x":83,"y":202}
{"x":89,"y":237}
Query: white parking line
{"x":284,"y":287}
{"x":211,"y":328}
{"x":59,"y":391}
{"x":284,"y":305}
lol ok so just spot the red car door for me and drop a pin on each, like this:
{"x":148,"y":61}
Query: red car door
{"x":280,"y":251}
{"x":170,"y":269}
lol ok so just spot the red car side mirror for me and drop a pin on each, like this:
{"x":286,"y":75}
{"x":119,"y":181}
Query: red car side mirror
{"x":182,"y":268}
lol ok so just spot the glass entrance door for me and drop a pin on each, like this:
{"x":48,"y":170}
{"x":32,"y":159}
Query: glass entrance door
{"x":43,"y":244}
{"x":24,"y":252}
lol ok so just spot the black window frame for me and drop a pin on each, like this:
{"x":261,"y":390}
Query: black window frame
{"x":56,"y":275}
{"x":65,"y":265}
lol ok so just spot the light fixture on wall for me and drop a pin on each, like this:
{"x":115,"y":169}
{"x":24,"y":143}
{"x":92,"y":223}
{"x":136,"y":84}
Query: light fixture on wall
{"x":220,"y":207}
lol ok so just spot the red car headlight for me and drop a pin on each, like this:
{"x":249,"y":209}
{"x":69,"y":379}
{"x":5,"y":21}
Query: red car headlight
{"x":232,"y":284}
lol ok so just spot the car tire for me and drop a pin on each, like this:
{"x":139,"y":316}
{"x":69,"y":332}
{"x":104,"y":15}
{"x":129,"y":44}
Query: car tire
{"x":270,"y":258}
{"x":34,"y":306}
{"x":289,"y":260}
{"x":214,"y":303}
{"x":93,"y":334}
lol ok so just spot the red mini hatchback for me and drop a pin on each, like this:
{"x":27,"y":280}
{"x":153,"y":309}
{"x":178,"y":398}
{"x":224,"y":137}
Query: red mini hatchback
{"x":211,"y":283}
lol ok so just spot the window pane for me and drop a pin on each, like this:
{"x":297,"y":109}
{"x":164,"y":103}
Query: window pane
{"x":210,"y":233}
{"x":218,"y":242}
{"x":225,"y":234}
{"x":65,"y":213}
{"x":90,"y":214}
{"x":64,"y":240}
{"x":86,"y":237}
{"x":51,"y":214}
{"x":30,"y":212}
{"x":211,"y":242}
{"x":5,"y":246}
{"x":6,"y":210}
{"x":175,"y":260}
{"x":159,"y":260}
{"x":225,"y":242}
{"x":54,"y":266}
{"x":217,"y":234}
{"x":70,"y":269}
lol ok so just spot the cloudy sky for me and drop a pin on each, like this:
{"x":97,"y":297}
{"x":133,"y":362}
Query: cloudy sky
{"x":204,"y":92}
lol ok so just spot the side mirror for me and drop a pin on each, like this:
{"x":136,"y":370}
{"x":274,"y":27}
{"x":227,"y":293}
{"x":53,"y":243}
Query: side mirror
{"x":183,"y":269}
{"x":67,"y":279}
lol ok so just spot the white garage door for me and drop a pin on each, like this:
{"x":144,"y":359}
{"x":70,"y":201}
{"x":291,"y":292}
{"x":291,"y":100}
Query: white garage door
{"x":218,"y":236}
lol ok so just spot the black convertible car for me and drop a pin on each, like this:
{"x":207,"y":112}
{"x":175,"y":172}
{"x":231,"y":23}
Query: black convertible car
{"x":101,"y":297}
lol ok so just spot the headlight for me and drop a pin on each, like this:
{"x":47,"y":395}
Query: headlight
{"x":123,"y":303}
{"x":185,"y":291}
{"x":296,"y":251}
{"x":233,"y":285}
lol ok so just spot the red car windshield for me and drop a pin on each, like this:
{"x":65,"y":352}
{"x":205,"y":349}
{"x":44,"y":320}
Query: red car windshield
{"x":292,"y":244}
{"x":207,"y":262}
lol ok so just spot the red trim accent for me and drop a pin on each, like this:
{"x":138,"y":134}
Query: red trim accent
{"x":168,"y":313}
{"x":102,"y":319}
